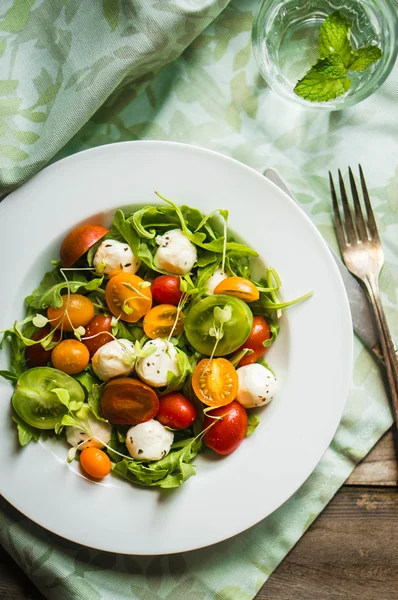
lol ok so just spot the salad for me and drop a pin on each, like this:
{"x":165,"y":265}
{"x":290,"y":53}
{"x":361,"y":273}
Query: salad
{"x":144,"y":344}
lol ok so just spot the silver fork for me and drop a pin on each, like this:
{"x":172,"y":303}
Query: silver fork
{"x":363,"y":255}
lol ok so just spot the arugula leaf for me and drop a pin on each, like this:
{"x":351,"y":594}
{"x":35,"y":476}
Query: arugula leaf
{"x":185,"y":368}
{"x":126,"y":230}
{"x":18,"y":359}
{"x":364,"y":57}
{"x":9,"y":375}
{"x":49,"y":291}
{"x":127,"y":331}
{"x":274,"y":328}
{"x":169,"y":472}
{"x":26,"y":433}
{"x":93,"y":400}
{"x":252,"y":422}
{"x":87,"y":380}
{"x":334,"y":37}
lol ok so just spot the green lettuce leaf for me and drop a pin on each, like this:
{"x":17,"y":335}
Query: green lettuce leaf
{"x":169,"y":472}
{"x":50,"y":289}
{"x":252,"y":422}
{"x":185,"y":368}
{"x":26,"y":433}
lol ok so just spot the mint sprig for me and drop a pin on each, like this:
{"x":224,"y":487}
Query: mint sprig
{"x":328,"y":78}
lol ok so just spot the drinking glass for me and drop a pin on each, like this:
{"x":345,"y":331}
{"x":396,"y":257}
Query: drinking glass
{"x":285,"y":42}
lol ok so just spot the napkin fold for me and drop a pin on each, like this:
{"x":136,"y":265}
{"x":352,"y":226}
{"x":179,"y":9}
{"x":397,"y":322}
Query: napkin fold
{"x":61,"y":60}
{"x":211,"y":95}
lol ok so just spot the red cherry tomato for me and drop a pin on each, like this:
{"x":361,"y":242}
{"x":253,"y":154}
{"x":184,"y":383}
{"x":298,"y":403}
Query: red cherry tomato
{"x":225,"y":435}
{"x":78,"y":241}
{"x":176,"y":411}
{"x":166,"y":289}
{"x":100,"y":327}
{"x":260,"y":333}
{"x":36,"y":355}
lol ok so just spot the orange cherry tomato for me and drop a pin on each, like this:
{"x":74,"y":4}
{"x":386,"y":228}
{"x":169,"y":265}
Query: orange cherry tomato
{"x":97,"y":333}
{"x":77,"y":312}
{"x":260,"y":332}
{"x":95,"y":462}
{"x":161,"y":320}
{"x":239,"y":287}
{"x":215,"y":381}
{"x":79,"y":241}
{"x":70,"y":356}
{"x":128,"y":401}
{"x":127,"y":298}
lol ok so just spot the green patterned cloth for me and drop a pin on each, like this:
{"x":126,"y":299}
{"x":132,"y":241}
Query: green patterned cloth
{"x":62,"y":62}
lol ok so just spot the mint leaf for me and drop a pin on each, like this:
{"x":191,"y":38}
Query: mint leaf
{"x":332,"y":67}
{"x":334,"y":37}
{"x":325,"y":81}
{"x":364,"y":57}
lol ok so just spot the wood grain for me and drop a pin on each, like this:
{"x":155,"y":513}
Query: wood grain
{"x":14,"y":585}
{"x":349,"y":553}
{"x":379,"y":467}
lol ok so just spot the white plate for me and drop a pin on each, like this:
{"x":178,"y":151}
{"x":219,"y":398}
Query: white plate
{"x":312,"y":357}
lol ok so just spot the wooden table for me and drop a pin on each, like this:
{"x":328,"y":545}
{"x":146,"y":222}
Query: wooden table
{"x":350,"y":552}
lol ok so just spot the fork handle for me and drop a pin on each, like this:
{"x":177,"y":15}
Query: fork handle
{"x":387,"y":344}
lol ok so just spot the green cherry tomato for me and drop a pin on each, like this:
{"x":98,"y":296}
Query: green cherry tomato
{"x":35,"y":402}
{"x":200,"y":320}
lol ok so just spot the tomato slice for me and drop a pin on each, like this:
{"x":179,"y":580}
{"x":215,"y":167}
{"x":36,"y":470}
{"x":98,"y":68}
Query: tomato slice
{"x":127,"y":297}
{"x":161,"y":320}
{"x":200,"y":320}
{"x":36,"y":403}
{"x":128,"y":401}
{"x":215,"y":381}
{"x":78,"y":241}
{"x":239,"y":287}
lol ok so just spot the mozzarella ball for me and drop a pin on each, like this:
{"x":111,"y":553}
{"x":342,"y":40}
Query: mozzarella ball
{"x":257,"y":385}
{"x":176,"y":254}
{"x":113,"y":257}
{"x":100,"y":431}
{"x":218,"y":276}
{"x":153,"y":369}
{"x":149,"y":441}
{"x":114,"y":359}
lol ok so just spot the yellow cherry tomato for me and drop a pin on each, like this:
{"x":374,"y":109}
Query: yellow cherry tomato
{"x":76,"y":311}
{"x":70,"y":356}
{"x":161,"y":320}
{"x":128,"y":297}
{"x":239,"y":287}
{"x":215,"y":381}
{"x":95,"y":462}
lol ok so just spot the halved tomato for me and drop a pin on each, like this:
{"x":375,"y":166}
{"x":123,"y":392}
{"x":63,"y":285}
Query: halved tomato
{"x":161,"y":320}
{"x":128,"y":401}
{"x":215,"y":381}
{"x":79,"y":241}
{"x":239,"y":287}
{"x":128,"y":297}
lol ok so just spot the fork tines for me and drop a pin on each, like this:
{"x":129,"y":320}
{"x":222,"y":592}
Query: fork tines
{"x":353,"y":231}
